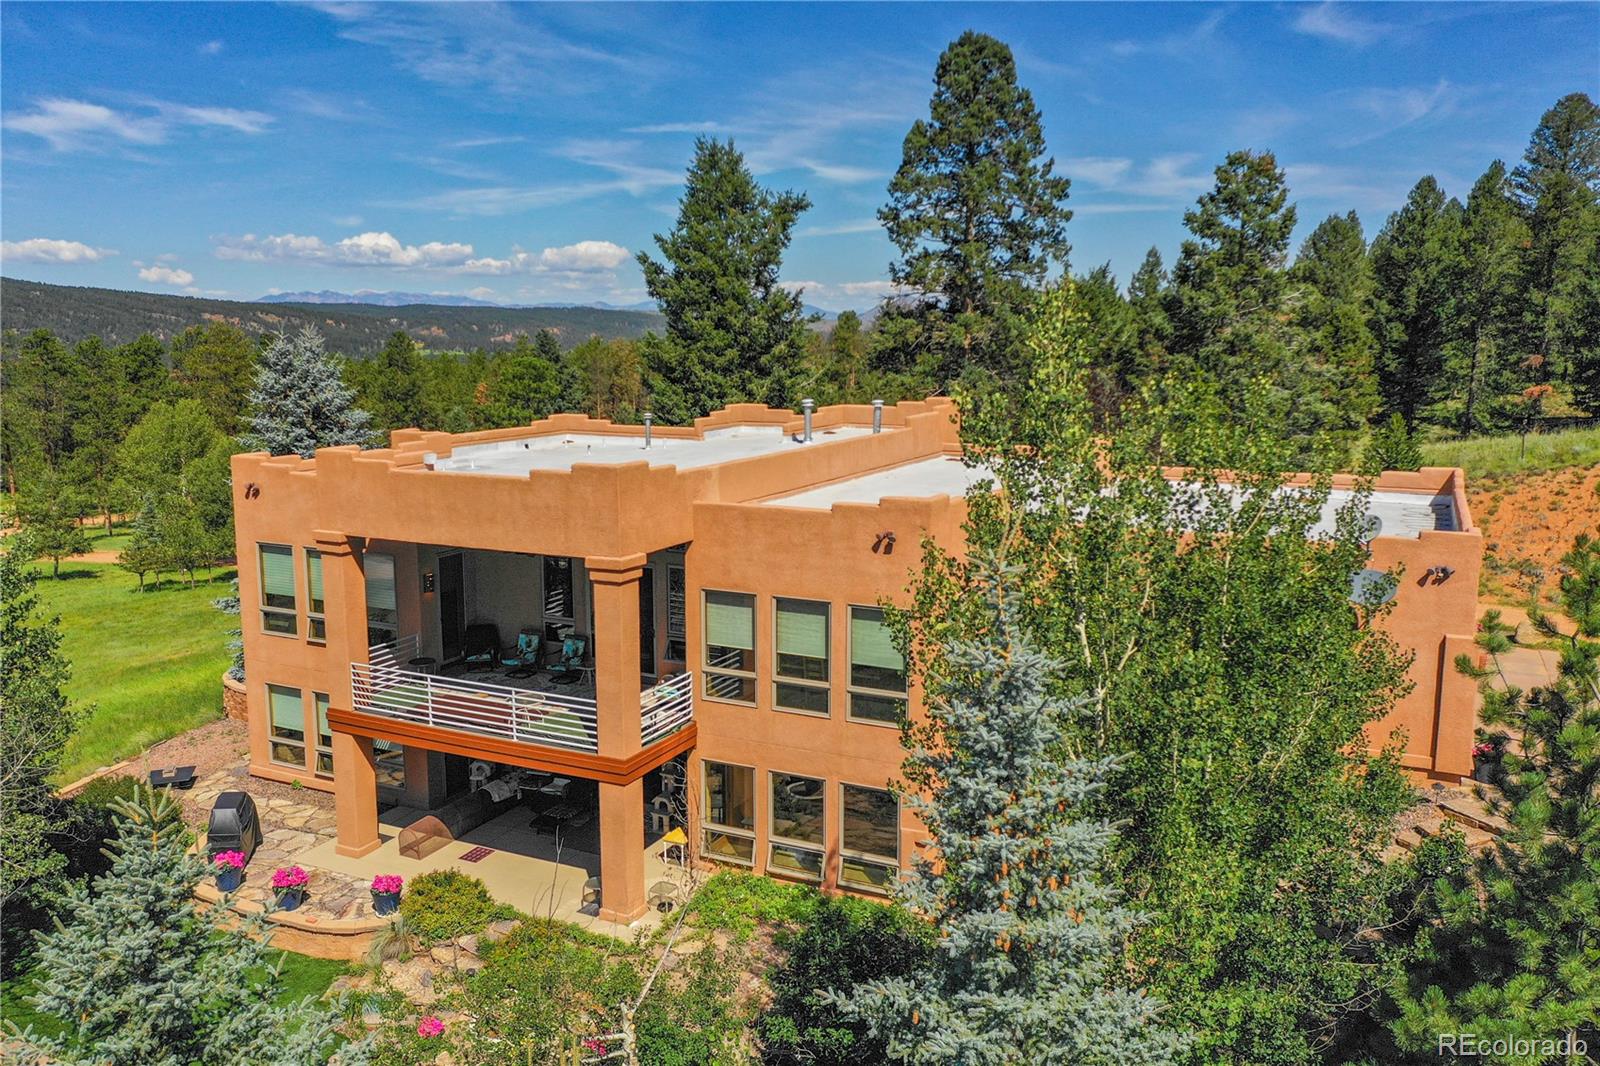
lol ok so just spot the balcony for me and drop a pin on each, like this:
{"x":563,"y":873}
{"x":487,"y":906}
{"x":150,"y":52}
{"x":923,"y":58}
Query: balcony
{"x":528,"y":714}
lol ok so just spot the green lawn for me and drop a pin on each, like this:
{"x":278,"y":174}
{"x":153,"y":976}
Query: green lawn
{"x":151,"y":662}
{"x":1501,"y":456}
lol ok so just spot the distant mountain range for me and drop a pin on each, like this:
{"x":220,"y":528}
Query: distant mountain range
{"x":357,"y":327}
{"x":406,"y":299}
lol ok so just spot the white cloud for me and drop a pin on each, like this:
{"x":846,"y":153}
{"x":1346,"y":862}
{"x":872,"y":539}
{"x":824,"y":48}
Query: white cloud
{"x":165,"y":275}
{"x":1388,"y":110}
{"x":855,"y":295}
{"x":679,"y":127}
{"x":383,"y":249}
{"x":860,"y":225}
{"x":1096,"y":170}
{"x":841,"y":172}
{"x":347,"y":220}
{"x":1334,"y":22}
{"x":48,"y":250}
{"x":211,"y":48}
{"x":1198,"y":41}
{"x":585,"y":256}
{"x":485,"y":142}
{"x":74,"y":124}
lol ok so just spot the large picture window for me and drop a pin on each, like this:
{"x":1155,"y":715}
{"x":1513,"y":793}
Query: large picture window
{"x":869,"y":843}
{"x":877,"y":669}
{"x":324,"y":735}
{"x":797,"y":825}
{"x":316,"y":610}
{"x":383,"y":612}
{"x":730,"y":623}
{"x":277,"y":589}
{"x":730,"y":813}
{"x":286,"y":725}
{"x":801,"y":673}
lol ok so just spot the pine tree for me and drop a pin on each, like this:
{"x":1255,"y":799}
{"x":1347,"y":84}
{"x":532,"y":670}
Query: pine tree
{"x":144,"y":977}
{"x":979,"y":218}
{"x":49,"y":511}
{"x":1228,"y":288}
{"x":1336,"y":348}
{"x":1113,"y":342}
{"x":1514,"y":952}
{"x":1482,"y":362}
{"x":300,"y":402}
{"x":526,"y":386}
{"x":1392,"y":447}
{"x":1558,"y":188}
{"x":143,"y":551}
{"x":1415,"y":259}
{"x":734,"y":335}
{"x":1030,"y":934}
{"x":215,"y":364}
{"x":392,"y":385}
{"x":1147,"y":295}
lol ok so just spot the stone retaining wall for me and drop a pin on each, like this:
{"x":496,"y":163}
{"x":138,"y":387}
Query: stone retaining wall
{"x":234,"y":702}
{"x":315,"y":935}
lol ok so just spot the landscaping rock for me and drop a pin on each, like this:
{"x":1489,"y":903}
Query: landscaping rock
{"x":468,"y":944}
{"x":498,"y":931}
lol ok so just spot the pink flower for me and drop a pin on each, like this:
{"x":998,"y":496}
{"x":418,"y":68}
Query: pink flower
{"x":290,"y":877}
{"x":430,"y":1026}
{"x":387,"y":884}
{"x":595,"y":1045}
{"x":235,"y":859}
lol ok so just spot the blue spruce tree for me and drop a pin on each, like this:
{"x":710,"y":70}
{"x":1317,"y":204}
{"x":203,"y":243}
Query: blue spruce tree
{"x":1026,"y":968}
{"x":300,"y":402}
{"x":144,"y":977}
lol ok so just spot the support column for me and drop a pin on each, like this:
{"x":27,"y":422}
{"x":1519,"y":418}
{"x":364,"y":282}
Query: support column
{"x":616,"y":653}
{"x":355,"y":795}
{"x":344,"y":587}
{"x":622,"y":890}
{"x":425,"y":785}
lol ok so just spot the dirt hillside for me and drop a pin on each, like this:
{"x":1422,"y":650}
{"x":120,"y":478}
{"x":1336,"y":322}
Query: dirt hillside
{"x":1529,"y":522}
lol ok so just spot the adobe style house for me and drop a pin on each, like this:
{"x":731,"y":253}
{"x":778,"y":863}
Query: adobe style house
{"x":624,"y":627}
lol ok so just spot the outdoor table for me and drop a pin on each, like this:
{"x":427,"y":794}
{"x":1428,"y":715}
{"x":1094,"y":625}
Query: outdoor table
{"x":553,"y":818}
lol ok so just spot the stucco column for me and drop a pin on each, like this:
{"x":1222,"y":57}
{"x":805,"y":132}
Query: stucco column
{"x":355,"y":795}
{"x":425,"y":785}
{"x":344,"y":590}
{"x":616,"y":652}
{"x":622,"y":896}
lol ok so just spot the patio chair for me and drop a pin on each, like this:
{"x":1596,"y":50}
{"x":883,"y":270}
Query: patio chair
{"x":569,"y":665}
{"x":524,"y":656}
{"x":482,"y":646}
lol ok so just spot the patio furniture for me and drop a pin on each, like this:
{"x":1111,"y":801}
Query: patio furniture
{"x":181,"y":777}
{"x":664,"y":896}
{"x":556,"y":786}
{"x":675,"y":841}
{"x":423,"y":664}
{"x":423,"y":837}
{"x":523,"y":657}
{"x":569,"y":666}
{"x":481,"y":646}
{"x":233,"y":826}
{"x":553,"y":819}
{"x":591,"y":892}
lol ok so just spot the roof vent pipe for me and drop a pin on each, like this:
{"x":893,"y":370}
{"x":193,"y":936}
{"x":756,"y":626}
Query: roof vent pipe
{"x":877,"y":416}
{"x":806,"y":405}
{"x":648,"y":419}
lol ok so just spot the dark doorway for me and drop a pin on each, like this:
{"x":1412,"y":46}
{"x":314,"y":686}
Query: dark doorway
{"x":647,"y":622}
{"x":452,"y":607}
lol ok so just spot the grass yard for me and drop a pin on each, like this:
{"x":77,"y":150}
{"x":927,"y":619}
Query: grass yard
{"x":151,"y":662}
{"x":1483,"y":457}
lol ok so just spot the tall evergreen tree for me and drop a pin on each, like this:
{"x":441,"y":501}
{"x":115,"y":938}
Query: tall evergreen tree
{"x":1335,"y":346}
{"x":1558,"y":187}
{"x":1030,"y":932}
{"x":1114,"y":342}
{"x":390,"y":385}
{"x":39,"y":415}
{"x":50,"y":510}
{"x":144,"y":977}
{"x":300,"y":402}
{"x":734,"y":335}
{"x":526,"y":386}
{"x":1415,"y":259}
{"x":1147,"y":294}
{"x":841,"y":370}
{"x":979,"y":217}
{"x":1229,"y":284}
{"x":216,"y":364}
{"x":1483,"y":359}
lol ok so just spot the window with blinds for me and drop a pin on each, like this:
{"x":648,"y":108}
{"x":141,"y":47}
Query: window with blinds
{"x":383,"y":612}
{"x":286,"y":725}
{"x":277,"y":589}
{"x":877,"y":669}
{"x":730,"y":636}
{"x":316,"y":621}
{"x":324,"y":735}
{"x":801,"y":669}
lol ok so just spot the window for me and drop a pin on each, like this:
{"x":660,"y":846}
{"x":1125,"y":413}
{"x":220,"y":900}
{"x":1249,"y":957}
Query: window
{"x":730,"y":813}
{"x":877,"y":670}
{"x":324,"y":735}
{"x":286,"y":725}
{"x":730,"y":646}
{"x":316,"y":623}
{"x":383,"y":614}
{"x":277,"y":589}
{"x":798,"y":807}
{"x":677,"y":599}
{"x":869,"y":846}
{"x":558,"y":605}
{"x":802,"y":656}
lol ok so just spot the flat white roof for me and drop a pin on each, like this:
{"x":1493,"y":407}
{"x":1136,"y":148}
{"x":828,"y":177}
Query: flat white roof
{"x":559,"y":451}
{"x":1398,"y":514}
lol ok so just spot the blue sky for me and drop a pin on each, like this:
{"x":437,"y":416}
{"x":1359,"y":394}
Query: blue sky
{"x":523,"y":153}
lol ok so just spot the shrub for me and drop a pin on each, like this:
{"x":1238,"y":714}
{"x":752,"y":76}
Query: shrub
{"x":737,"y":902}
{"x":446,"y":904}
{"x":86,"y":821}
{"x":694,"y":1016}
{"x":843,"y":943}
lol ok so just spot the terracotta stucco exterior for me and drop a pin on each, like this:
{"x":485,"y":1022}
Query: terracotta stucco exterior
{"x":620,"y":522}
